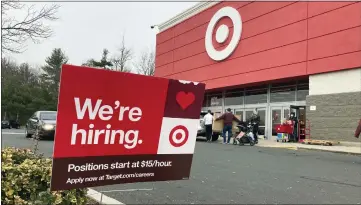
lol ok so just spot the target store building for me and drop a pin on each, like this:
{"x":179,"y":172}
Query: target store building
{"x":271,"y":55}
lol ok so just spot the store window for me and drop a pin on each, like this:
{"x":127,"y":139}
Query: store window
{"x":234,"y":97}
{"x":214,"y":100}
{"x":283,"y":94}
{"x":256,"y":95}
{"x":302,"y":91}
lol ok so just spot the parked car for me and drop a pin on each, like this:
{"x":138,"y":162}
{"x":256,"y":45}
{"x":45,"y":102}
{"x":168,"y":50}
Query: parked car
{"x":41,"y":124}
{"x":202,"y":130}
{"x":14,"y":124}
{"x":5,"y":124}
{"x":10,"y":124}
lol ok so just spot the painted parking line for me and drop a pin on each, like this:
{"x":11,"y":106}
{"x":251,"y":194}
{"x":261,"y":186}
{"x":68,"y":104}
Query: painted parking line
{"x":126,"y":190}
{"x":292,"y":148}
{"x":102,"y":198}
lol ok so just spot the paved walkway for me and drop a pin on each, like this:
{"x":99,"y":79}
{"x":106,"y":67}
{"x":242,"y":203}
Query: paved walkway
{"x":343,"y":147}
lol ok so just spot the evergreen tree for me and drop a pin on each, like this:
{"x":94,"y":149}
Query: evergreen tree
{"x":21,"y":91}
{"x":103,"y":63}
{"x":51,"y":76}
{"x":25,"y":92}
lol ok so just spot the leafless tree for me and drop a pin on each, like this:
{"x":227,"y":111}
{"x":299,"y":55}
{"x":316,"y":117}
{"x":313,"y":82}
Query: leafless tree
{"x":146,"y":63}
{"x":122,"y":59}
{"x":15,"y":33}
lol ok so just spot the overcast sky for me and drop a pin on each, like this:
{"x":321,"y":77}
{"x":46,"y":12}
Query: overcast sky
{"x":85,"y":28}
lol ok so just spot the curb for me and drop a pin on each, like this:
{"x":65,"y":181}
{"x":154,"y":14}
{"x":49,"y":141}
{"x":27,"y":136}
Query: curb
{"x":351,"y":144}
{"x":315,"y":149}
{"x":97,"y":196}
{"x":307,"y":148}
{"x":334,"y":151}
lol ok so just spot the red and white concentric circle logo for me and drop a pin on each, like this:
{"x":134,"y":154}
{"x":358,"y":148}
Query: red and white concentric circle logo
{"x":223,"y":32}
{"x":178,"y":136}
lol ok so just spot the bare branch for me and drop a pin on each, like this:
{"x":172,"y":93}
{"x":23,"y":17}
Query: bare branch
{"x":146,"y":63}
{"x":15,"y":33}
{"x":122,"y":59}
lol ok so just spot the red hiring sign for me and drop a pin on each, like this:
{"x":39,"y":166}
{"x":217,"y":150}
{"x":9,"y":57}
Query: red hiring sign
{"x":115,"y":127}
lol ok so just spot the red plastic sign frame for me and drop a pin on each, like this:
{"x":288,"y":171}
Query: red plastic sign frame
{"x":114,"y":127}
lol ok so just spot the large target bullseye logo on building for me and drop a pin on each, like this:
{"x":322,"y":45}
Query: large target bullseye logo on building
{"x":222,"y":33}
{"x":178,"y":136}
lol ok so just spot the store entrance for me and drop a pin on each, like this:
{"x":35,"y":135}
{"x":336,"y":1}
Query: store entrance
{"x":247,"y":113}
{"x":277,"y":115}
{"x":300,"y":114}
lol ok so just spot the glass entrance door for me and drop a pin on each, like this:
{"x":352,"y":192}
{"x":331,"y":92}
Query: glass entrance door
{"x":239,"y":113}
{"x":262,"y":115}
{"x":286,"y":112}
{"x":262,"y":124}
{"x":278,"y":115}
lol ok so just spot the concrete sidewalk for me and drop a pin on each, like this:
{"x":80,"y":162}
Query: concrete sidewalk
{"x":343,"y":147}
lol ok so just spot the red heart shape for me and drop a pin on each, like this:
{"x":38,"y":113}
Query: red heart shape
{"x":185,"y":99}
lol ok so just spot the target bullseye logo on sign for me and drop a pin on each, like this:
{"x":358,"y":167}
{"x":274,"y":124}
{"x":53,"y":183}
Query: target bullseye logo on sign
{"x":178,"y":136}
{"x":223,"y":32}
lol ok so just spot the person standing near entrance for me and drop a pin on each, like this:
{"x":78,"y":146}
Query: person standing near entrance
{"x":208,"y":121}
{"x":228,"y":119}
{"x":293,"y":119}
{"x":255,"y":120}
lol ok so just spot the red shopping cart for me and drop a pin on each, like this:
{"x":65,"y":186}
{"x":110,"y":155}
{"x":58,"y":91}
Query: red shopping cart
{"x":284,"y":130}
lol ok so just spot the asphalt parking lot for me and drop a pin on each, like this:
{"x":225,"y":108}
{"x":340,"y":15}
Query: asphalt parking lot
{"x":228,"y":174}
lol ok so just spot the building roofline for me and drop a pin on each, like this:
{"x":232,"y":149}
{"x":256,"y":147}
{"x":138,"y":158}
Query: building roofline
{"x":201,"y":6}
